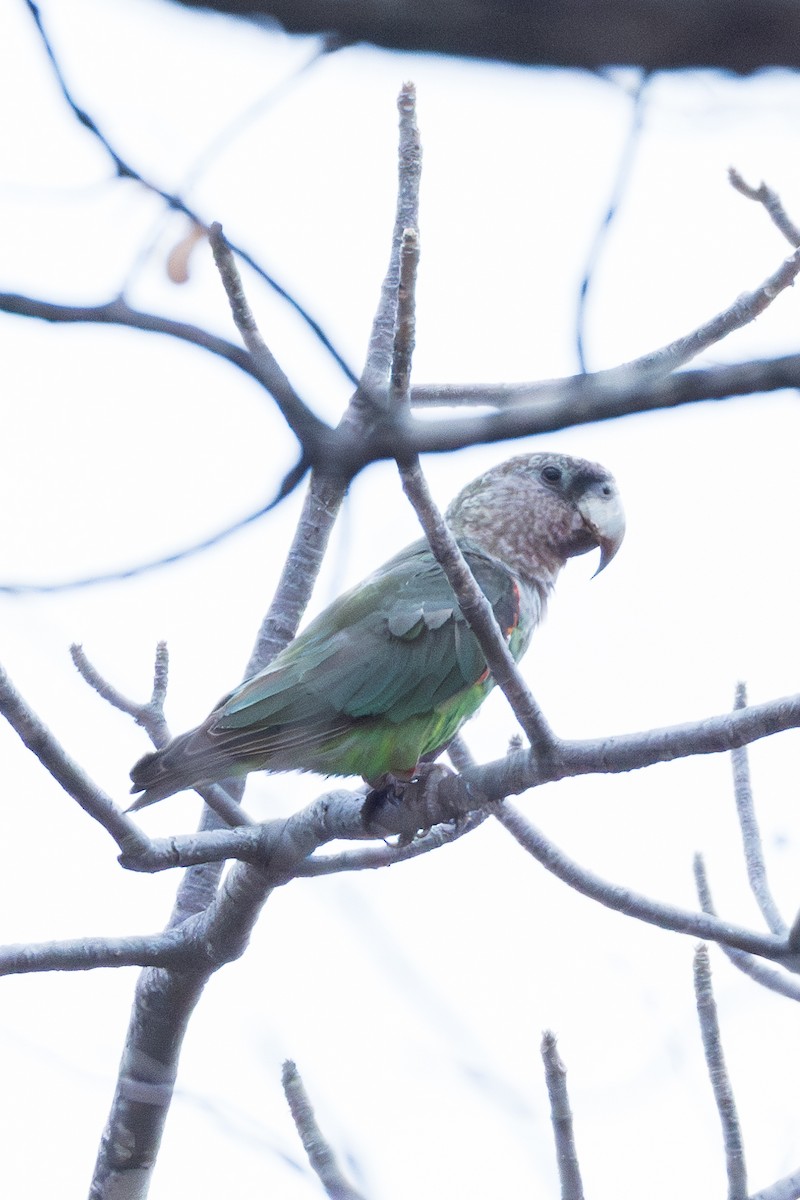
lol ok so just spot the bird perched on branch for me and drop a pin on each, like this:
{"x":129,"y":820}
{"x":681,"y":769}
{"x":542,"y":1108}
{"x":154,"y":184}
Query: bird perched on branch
{"x":389,"y":672}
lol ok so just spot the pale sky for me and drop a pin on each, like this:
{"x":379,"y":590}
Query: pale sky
{"x":413,"y":1000}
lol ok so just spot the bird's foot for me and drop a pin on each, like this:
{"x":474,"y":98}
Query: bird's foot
{"x":406,"y":807}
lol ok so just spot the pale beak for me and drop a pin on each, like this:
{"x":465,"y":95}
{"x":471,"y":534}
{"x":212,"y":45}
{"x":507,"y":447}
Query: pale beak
{"x":604,"y":516}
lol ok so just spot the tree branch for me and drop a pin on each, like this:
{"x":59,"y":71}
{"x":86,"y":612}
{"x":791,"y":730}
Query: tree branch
{"x":787,"y":1188}
{"x":621,"y":180}
{"x":718,"y":1074}
{"x":320,"y":1154}
{"x":776,"y":981}
{"x":478,"y":612}
{"x":224,"y":914}
{"x":88,"y":953}
{"x":632,"y":904}
{"x":772,"y":203}
{"x":735,"y":35}
{"x":312,"y":433}
{"x":569,"y":1172}
{"x":751,"y":835}
{"x":381,"y":348}
{"x":75,"y":782}
{"x":150,"y":715}
{"x":125,"y":171}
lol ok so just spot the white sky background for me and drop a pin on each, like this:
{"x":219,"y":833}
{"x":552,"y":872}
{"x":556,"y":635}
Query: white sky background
{"x":413,"y":1000}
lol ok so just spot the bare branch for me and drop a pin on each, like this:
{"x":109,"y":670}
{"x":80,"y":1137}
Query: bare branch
{"x":751,"y":835}
{"x":645,"y":370}
{"x":118,"y":312}
{"x":569,"y":1172}
{"x":338,"y":814}
{"x":579,"y":402}
{"x":372,"y":858}
{"x":375,"y":376}
{"x":320,"y":509}
{"x":225,"y":911}
{"x":460,"y":754}
{"x":423,"y":807}
{"x":772,"y":203}
{"x":167,"y":560}
{"x":632,"y":904}
{"x":740,"y":36}
{"x":170,"y":949}
{"x":530,"y":408}
{"x":404,"y":340}
{"x":620,"y":185}
{"x":741,"y":312}
{"x":150,"y":715}
{"x":320,"y":1154}
{"x":787,"y":1188}
{"x":75,"y":782}
{"x":718,"y":1074}
{"x":311,"y":432}
{"x":125,"y":171}
{"x":477,"y":611}
{"x":775,"y":980}
{"x":631,"y":751}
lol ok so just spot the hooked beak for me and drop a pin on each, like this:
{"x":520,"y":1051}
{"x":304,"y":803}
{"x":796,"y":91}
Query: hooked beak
{"x":603,"y":515}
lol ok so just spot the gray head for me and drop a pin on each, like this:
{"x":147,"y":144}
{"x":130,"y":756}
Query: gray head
{"x":535,"y":511}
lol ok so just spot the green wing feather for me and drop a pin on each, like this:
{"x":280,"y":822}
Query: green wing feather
{"x":386,"y":674}
{"x":394,"y":652}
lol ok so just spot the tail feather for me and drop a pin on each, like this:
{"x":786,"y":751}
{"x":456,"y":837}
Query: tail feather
{"x":188,"y":760}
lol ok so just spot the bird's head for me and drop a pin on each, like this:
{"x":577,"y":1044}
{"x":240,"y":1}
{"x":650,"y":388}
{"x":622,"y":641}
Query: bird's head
{"x":535,"y":511}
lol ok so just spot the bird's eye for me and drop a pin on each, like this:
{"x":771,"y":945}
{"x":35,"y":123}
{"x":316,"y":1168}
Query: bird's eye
{"x":551,"y":474}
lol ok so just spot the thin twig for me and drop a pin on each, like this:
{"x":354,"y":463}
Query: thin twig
{"x":646,"y":370}
{"x":569,"y":1172}
{"x":320,"y":1155}
{"x":375,"y":376}
{"x":224,"y":910}
{"x":530,"y":409}
{"x":311,"y":432}
{"x":222,"y":141}
{"x":125,"y":171}
{"x":167,"y":560}
{"x":751,"y":835}
{"x":718,"y":1074}
{"x":478,"y":612}
{"x":72,"y":778}
{"x":405,"y":331}
{"x":772,"y":203}
{"x":151,"y":718}
{"x":473,"y":603}
{"x":621,"y":180}
{"x":633,"y":904}
{"x":150,"y":715}
{"x":774,"y":980}
{"x":118,"y":311}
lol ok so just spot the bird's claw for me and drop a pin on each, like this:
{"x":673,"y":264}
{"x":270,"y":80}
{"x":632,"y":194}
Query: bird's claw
{"x":400,"y":806}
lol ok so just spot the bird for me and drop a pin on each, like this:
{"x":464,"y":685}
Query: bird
{"x":387,"y":674}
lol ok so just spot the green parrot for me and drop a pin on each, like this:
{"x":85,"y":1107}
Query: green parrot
{"x":390,"y":671}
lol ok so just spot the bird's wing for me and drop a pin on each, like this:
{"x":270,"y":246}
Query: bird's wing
{"x":395,"y":647}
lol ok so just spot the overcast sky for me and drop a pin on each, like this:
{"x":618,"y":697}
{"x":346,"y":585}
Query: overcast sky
{"x":413,"y":1000}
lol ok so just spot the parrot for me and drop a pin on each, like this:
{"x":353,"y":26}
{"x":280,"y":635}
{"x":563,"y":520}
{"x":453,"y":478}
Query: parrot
{"x":387,"y":674}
